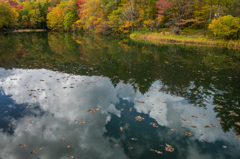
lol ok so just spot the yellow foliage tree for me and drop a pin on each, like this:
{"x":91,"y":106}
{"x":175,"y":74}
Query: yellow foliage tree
{"x":226,"y":26}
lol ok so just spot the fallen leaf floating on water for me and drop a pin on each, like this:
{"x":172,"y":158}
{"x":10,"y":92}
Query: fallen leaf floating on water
{"x":124,"y":103}
{"x":134,"y":139}
{"x":225,"y":147}
{"x":139,"y":118}
{"x":174,"y":129}
{"x":159,"y":152}
{"x":221,"y":121}
{"x":237,"y":123}
{"x":183,"y":149}
{"x":213,"y":125}
{"x":203,"y":114}
{"x":62,"y":139}
{"x":29,"y":121}
{"x":206,"y":126}
{"x":192,"y":116}
{"x":122,"y":109}
{"x":137,"y":101}
{"x":41,"y":148}
{"x":201,"y":134}
{"x":193,"y":126}
{"x":21,"y":145}
{"x":184,"y":127}
{"x":185,"y":120}
{"x":232,"y":113}
{"x":92,"y":110}
{"x":121,"y":128}
{"x":130,"y":109}
{"x":71,"y":156}
{"x":116,"y":145}
{"x":237,"y":136}
{"x":154,"y":124}
{"x":130,"y":148}
{"x":188,"y":134}
{"x":169,"y":148}
{"x":33,"y":152}
{"x":82,"y":122}
{"x":204,"y":140}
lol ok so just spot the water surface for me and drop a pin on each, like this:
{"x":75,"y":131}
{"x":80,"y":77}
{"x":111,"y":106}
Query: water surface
{"x":81,"y":96}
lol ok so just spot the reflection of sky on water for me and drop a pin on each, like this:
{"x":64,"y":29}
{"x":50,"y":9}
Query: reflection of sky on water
{"x":53,"y":118}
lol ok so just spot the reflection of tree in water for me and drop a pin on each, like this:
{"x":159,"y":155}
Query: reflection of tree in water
{"x":198,"y":74}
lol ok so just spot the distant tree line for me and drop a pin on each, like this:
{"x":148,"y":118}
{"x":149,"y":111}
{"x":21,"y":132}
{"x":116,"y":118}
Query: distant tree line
{"x":122,"y":16}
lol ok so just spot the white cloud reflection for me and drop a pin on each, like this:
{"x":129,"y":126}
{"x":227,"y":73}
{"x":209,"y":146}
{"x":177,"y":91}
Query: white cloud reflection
{"x":62,"y":106}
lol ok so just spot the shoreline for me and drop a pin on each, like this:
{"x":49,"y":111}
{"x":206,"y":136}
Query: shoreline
{"x":159,"y":38}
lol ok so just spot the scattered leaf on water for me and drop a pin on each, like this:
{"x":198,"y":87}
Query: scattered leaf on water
{"x":130,"y":148}
{"x":82,"y":122}
{"x":130,"y":109}
{"x":184,"y":127}
{"x":204,"y":140}
{"x":183,"y":149}
{"x":121,"y":128}
{"x":206,"y":126}
{"x":225,"y":147}
{"x":68,"y":146}
{"x":71,"y":156}
{"x":33,"y":152}
{"x":174,"y":129}
{"x":221,"y":121}
{"x":21,"y":145}
{"x":154,"y":124}
{"x":169,"y":148}
{"x":188,"y":134}
{"x":124,"y":103}
{"x":193,"y":126}
{"x":203,"y":114}
{"x":139,"y":118}
{"x":237,"y":123}
{"x":62,"y":139}
{"x":116,"y":145}
{"x":213,"y":125}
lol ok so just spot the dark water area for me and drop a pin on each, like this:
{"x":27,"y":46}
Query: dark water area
{"x":97,"y":97}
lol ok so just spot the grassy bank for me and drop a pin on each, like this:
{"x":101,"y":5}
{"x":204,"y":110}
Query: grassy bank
{"x":187,"y":36}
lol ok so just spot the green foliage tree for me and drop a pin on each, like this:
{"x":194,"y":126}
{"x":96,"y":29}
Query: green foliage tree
{"x":69,"y":19}
{"x":55,"y":19}
{"x":226,"y":26}
{"x":8,"y":16}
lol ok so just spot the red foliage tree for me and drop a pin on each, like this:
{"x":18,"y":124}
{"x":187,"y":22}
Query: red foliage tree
{"x":20,"y":7}
{"x":178,"y":10}
{"x":79,"y":4}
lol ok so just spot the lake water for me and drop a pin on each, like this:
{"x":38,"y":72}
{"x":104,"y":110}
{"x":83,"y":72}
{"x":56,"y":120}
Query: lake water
{"x":96,"y":97}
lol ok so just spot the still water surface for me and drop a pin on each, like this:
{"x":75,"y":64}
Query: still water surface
{"x":94,"y":97}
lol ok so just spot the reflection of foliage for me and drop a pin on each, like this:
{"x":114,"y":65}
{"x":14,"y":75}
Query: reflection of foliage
{"x":187,"y":71}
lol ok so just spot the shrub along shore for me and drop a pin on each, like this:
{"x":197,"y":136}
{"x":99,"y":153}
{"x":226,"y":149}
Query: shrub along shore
{"x":197,"y":38}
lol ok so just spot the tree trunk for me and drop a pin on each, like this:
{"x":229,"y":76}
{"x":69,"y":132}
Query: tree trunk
{"x":237,"y":34}
{"x":210,"y":14}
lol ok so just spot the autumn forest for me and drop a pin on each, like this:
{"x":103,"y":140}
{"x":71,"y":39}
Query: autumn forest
{"x":122,"y":16}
